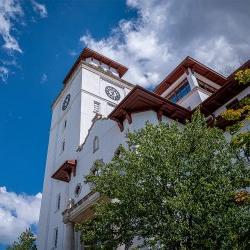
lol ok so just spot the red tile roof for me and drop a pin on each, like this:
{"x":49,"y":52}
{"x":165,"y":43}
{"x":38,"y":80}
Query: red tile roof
{"x":194,"y":65}
{"x":140,"y":99}
{"x":86,"y":53}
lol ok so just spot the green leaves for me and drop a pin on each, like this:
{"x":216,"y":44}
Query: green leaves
{"x":173,"y":187}
{"x":26,"y":241}
{"x":243,"y":76}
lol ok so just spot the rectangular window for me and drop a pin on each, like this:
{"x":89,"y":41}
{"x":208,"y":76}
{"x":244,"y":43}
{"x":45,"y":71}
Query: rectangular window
{"x":58,"y":202}
{"x":180,"y":93}
{"x":63,"y":145}
{"x":55,"y":237}
{"x":97,"y":107}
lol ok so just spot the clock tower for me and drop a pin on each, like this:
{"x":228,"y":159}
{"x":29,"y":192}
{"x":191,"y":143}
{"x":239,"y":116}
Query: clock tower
{"x":92,"y":88}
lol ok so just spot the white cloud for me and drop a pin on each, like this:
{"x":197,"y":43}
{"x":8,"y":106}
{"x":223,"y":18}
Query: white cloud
{"x":4,"y":72}
{"x":39,"y":8}
{"x":12,"y":16}
{"x":17,"y":213}
{"x":10,"y":11}
{"x":165,"y":32}
{"x":44,"y":78}
{"x":219,"y":53}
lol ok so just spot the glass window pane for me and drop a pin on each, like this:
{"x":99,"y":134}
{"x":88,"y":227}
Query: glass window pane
{"x":183,"y":90}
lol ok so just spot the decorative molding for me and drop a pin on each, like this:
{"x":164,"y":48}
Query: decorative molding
{"x":82,"y":210}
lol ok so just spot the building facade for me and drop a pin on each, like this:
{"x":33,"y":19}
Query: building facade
{"x":90,"y":118}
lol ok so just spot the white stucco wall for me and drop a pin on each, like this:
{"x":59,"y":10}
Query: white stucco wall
{"x":85,"y":86}
{"x":110,"y":137}
{"x":49,"y":217}
{"x":93,"y":89}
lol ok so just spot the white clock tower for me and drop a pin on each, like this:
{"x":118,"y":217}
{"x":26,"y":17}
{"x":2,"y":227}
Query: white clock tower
{"x":92,"y":88}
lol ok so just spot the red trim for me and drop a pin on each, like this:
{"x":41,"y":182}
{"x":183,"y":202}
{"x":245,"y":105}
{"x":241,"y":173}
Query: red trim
{"x":89,"y":53}
{"x":65,"y":171}
{"x":195,"y":66}
{"x":140,"y":99}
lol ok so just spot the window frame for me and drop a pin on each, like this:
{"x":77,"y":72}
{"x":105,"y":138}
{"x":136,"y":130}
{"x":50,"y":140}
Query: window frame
{"x":58,"y":202}
{"x":63,"y":146}
{"x":55,"y":237}
{"x":180,"y":92}
{"x":97,"y":107}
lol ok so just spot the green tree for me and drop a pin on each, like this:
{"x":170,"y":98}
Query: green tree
{"x":238,"y":115}
{"x":26,"y":241}
{"x":175,"y":188}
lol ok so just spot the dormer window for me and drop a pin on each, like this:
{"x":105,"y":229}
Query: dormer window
{"x":180,"y":92}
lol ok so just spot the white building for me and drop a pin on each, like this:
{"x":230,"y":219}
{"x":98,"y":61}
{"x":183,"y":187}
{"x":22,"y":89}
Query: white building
{"x":90,"y":118}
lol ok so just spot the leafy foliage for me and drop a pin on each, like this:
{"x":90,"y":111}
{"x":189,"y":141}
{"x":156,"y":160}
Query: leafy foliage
{"x":240,"y":114}
{"x":175,"y":188}
{"x":243,"y":76}
{"x":26,"y":241}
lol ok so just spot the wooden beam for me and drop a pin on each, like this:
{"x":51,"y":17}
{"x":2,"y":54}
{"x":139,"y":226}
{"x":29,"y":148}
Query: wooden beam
{"x":173,"y":114}
{"x":159,"y":112}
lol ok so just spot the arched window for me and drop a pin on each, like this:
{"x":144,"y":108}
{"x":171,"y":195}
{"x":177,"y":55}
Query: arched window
{"x":95,"y":144}
{"x":78,"y":189}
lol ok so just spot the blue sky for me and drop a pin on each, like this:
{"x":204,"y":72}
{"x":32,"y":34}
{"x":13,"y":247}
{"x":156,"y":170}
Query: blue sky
{"x":39,"y":41}
{"x":49,"y":47}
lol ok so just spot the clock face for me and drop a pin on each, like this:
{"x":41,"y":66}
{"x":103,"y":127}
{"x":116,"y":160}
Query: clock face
{"x":66,"y":102}
{"x":112,"y":93}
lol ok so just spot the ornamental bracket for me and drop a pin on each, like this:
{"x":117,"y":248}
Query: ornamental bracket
{"x":160,"y":112}
{"x":119,"y":123}
{"x":128,"y":116}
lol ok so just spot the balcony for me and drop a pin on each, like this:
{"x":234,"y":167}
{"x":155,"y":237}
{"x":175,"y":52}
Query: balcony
{"x":82,"y":210}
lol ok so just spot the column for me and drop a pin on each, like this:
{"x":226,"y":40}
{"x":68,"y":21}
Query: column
{"x":192,"y":79}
